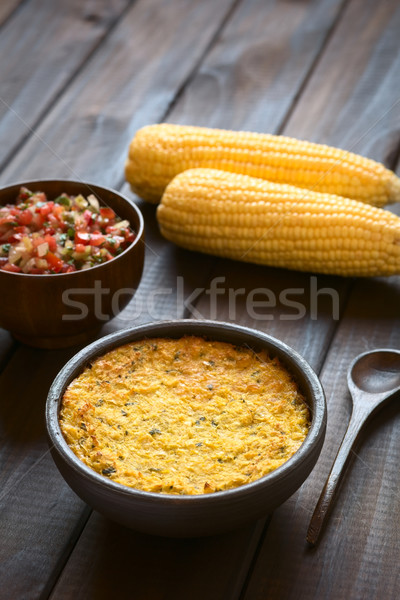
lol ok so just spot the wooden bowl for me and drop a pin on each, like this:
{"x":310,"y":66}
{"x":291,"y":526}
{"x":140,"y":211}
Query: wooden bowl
{"x":185,"y":516}
{"x":54,"y":311}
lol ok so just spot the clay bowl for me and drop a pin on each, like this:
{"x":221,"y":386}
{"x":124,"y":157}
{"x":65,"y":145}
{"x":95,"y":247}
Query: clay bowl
{"x":60,"y":310}
{"x":188,"y":516}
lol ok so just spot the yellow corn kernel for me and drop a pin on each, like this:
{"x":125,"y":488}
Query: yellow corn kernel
{"x":252,"y":220}
{"x":159,"y":152}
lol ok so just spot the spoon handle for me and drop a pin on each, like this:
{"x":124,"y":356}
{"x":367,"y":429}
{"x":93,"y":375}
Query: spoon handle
{"x":325,"y":501}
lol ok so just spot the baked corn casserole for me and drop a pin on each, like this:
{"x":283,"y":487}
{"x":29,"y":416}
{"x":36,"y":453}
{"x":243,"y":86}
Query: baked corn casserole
{"x":184,"y":416}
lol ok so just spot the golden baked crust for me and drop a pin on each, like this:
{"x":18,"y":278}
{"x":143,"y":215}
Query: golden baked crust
{"x":185,"y":416}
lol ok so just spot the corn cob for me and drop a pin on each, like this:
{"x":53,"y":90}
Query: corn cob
{"x":249,"y":219}
{"x":159,"y":152}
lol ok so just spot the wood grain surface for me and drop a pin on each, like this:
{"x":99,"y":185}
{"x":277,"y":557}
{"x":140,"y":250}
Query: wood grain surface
{"x":251,"y":77}
{"x":54,"y":42}
{"x":142,"y":65}
{"x":352,"y":99}
{"x":131,"y":565}
{"x":326,"y":70}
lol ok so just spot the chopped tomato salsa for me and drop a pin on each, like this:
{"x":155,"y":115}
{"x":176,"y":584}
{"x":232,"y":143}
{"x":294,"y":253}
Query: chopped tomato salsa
{"x":69,"y":233}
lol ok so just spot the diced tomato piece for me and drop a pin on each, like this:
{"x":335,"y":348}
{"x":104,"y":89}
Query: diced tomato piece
{"x":68,"y":269}
{"x":55,"y":263}
{"x":38,"y":220}
{"x":80,"y":248}
{"x":11,"y":268}
{"x":82,"y":237}
{"x":7,"y":220}
{"x":94,"y":239}
{"x":46,"y":209}
{"x":49,"y":230}
{"x":53,"y":220}
{"x":25,"y":217}
{"x":97,"y":239}
{"x":15,"y":237}
{"x":51,"y":242}
{"x":37,"y":241}
{"x":58,"y":211}
{"x":107,"y":213}
{"x":113,"y":230}
{"x":4,"y":235}
{"x":130,"y":237}
{"x":24,"y":194}
{"x":87,"y":215}
{"x":112,"y":244}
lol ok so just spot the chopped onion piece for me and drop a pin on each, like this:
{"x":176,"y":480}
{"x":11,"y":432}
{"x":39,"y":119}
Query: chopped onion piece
{"x":94,"y":203}
{"x":42,"y":249}
{"x":41,"y":263}
{"x":27,"y":243}
{"x":30,"y":264}
{"x":121,"y":225}
{"x":81,"y":201}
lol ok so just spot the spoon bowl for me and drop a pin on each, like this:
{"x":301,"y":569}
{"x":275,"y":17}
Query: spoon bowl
{"x":376,"y":372}
{"x":373,"y":379}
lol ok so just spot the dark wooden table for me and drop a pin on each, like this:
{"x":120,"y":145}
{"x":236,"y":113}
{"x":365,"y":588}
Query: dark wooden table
{"x":77,"y":79}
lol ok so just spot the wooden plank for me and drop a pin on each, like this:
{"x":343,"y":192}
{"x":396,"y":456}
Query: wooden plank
{"x":252,"y":76}
{"x":112,"y":561}
{"x":31,"y":488}
{"x":131,"y":82}
{"x":356,"y":555}
{"x":54,"y":40}
{"x":353,"y":97}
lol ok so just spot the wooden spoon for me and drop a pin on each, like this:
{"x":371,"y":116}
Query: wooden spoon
{"x":373,"y":378}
